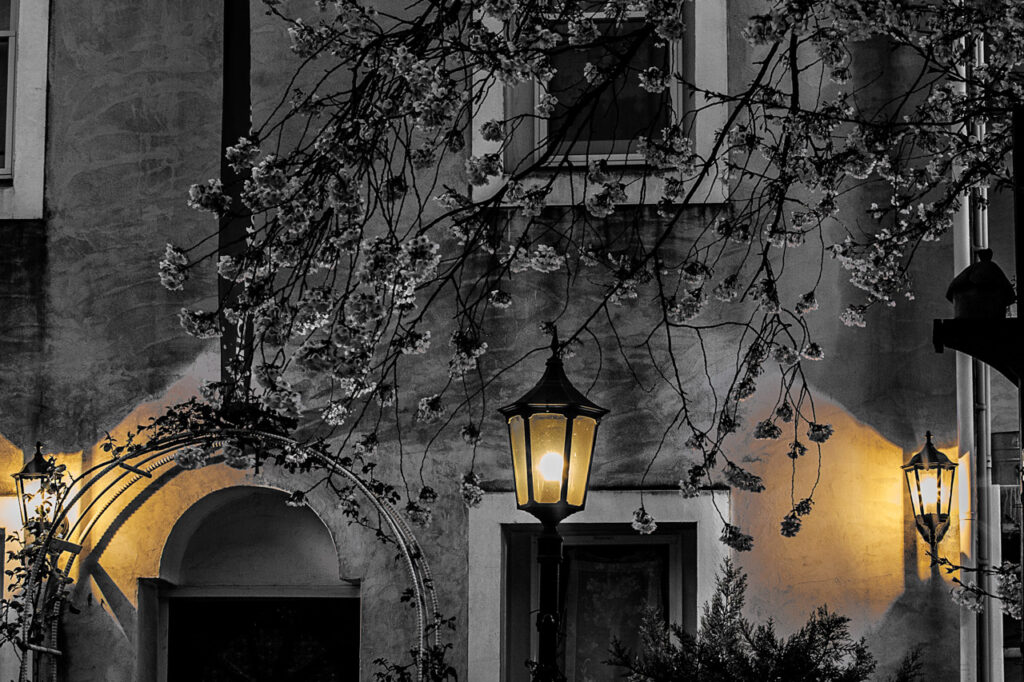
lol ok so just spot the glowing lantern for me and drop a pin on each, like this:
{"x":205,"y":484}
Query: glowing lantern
{"x":930,"y":476}
{"x":552,"y":430}
{"x":29,"y":481}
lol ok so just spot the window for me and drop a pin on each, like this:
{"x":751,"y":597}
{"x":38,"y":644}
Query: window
{"x":8,"y":38}
{"x":701,"y":56}
{"x":673,"y":569}
{"x":24,"y":36}
{"x":607,"y":127}
{"x":608,"y":573}
{"x":1005,"y":479}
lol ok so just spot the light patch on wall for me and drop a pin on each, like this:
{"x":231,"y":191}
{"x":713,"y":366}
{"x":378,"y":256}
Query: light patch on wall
{"x":11,"y":461}
{"x":857,"y":551}
{"x":127,"y":542}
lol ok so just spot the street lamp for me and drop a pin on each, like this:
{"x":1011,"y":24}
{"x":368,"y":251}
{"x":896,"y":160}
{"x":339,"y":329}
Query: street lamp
{"x":551,"y":431}
{"x":29,"y":481}
{"x":930,"y":476}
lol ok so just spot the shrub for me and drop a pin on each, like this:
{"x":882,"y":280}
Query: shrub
{"x":728,"y":647}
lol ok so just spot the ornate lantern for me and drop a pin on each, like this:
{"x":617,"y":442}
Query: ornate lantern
{"x":29,"y":481}
{"x":930,"y":475}
{"x":552,"y":430}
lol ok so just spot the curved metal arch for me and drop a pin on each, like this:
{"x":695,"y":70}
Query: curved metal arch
{"x":138,"y":465}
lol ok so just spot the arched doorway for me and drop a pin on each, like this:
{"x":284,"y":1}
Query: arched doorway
{"x":249,"y":591}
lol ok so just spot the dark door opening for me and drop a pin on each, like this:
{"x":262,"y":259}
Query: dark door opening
{"x":262,"y":639}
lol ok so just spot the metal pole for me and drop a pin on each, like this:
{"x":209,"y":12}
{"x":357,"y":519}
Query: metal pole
{"x":1018,"y":249}
{"x":549,"y":557}
{"x":236,"y":122}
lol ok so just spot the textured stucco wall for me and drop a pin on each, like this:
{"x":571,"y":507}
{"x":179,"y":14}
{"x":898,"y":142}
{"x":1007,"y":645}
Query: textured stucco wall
{"x":134,"y":119}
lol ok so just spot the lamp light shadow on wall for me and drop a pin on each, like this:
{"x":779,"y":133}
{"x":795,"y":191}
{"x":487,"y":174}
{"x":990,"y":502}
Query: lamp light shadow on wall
{"x":930,"y":475}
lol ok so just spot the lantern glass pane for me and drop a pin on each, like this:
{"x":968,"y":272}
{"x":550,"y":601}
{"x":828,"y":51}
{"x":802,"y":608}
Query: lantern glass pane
{"x":929,"y":482}
{"x":946,"y":500}
{"x":517,"y":437}
{"x":31,"y":496}
{"x":915,"y":500}
{"x":547,"y":454}
{"x":579,"y":460}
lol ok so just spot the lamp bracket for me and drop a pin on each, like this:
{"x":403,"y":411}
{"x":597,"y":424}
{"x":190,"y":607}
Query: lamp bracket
{"x":996,"y":342}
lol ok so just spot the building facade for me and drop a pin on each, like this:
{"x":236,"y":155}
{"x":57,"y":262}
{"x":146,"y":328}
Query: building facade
{"x":115,"y":109}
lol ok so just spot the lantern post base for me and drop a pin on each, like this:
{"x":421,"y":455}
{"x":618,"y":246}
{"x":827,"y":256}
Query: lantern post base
{"x":549,"y":558}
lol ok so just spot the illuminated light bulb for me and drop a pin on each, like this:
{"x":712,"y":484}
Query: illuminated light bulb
{"x":550,"y":467}
{"x":929,"y":491}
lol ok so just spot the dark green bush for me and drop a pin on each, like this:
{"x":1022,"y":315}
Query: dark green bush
{"x":729,"y":648}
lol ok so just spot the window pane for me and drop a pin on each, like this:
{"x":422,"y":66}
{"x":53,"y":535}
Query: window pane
{"x":624,"y":110}
{"x":1005,"y":457}
{"x":5,"y":49}
{"x":5,"y":15}
{"x":607,"y":590}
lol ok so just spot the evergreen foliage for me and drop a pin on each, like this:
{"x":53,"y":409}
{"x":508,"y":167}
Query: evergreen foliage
{"x":730,"y":647}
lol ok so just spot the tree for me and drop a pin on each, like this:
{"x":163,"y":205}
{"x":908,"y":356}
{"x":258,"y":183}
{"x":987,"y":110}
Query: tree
{"x":364,"y":250}
{"x":730,"y":647}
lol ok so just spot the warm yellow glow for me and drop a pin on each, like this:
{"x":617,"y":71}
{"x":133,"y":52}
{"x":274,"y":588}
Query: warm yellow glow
{"x":929,"y":492}
{"x":33,"y":496}
{"x":517,"y":435}
{"x":579,"y":461}
{"x":547,"y":435}
{"x":550,"y":467}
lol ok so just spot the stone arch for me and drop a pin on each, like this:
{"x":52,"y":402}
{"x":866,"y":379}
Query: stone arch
{"x":247,"y":535}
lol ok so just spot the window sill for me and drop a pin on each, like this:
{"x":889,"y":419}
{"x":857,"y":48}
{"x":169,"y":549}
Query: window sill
{"x":569,"y":187}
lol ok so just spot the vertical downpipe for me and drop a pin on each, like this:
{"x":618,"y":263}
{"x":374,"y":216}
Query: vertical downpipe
{"x":968,"y":491}
{"x":990,"y":625}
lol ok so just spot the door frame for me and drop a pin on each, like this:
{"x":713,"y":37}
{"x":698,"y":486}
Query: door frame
{"x":155,"y":593}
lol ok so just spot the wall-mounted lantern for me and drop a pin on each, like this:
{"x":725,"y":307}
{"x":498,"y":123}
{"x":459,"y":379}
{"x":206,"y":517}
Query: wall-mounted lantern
{"x":930,"y":475}
{"x":29,"y":481}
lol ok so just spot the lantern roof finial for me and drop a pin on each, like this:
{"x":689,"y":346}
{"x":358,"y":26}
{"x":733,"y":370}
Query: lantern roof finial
{"x":555,"y":390}
{"x":929,"y":457}
{"x":37,"y":466}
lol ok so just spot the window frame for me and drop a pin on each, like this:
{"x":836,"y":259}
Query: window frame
{"x":488,"y":556}
{"x":677,"y":111}
{"x":7,"y":169}
{"x":21,"y":189}
{"x":705,"y":56}
{"x":591,"y":534}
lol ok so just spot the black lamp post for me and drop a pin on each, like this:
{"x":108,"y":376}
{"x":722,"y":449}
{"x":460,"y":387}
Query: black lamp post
{"x":930,"y":475}
{"x":551,"y":430}
{"x":29,"y":481}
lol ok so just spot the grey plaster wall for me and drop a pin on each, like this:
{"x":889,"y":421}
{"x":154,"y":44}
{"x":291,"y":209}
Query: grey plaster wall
{"x":134,"y":119}
{"x":134,"y":116}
